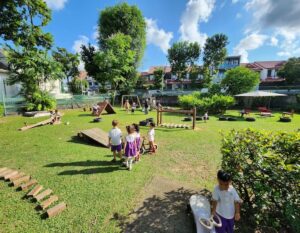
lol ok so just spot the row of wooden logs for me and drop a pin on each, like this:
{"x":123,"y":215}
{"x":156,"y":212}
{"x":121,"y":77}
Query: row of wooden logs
{"x":25,"y":182}
{"x":169,"y":125}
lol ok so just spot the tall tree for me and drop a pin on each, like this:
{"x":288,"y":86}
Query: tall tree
{"x":291,"y":71}
{"x":22,"y":22}
{"x":69,"y":62}
{"x":158,"y":78}
{"x":214,"y":54}
{"x":116,"y":61}
{"x":31,"y":68}
{"x":182,"y":55}
{"x":127,"y":20}
{"x":239,"y":80}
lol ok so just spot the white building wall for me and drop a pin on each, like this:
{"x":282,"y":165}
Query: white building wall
{"x":9,"y":91}
{"x":263,"y":74}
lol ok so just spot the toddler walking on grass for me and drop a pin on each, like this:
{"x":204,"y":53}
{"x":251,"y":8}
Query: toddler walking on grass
{"x":130,"y":146}
{"x":137,"y":141}
{"x":226,"y":203}
{"x":151,"y":134}
{"x":115,"y":140}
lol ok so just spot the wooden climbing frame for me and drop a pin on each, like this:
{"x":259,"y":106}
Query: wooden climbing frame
{"x":190,"y":112}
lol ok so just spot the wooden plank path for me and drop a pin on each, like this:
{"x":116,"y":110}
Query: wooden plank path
{"x":97,"y":135}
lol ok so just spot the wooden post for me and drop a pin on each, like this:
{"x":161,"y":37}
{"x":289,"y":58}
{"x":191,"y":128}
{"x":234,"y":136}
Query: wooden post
{"x":194,"y":117}
{"x":160,"y":116}
{"x":56,"y":209}
{"x":157,"y":117}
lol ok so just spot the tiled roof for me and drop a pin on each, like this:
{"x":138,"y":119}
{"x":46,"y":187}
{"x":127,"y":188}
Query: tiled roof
{"x":82,"y":75}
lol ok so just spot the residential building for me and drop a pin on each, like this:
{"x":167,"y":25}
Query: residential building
{"x":230,"y":62}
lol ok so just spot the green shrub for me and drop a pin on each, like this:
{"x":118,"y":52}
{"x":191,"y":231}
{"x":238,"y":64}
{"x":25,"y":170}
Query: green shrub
{"x":213,"y":104}
{"x":77,"y":85}
{"x":1,"y":110}
{"x":40,"y":101}
{"x":265,"y":170}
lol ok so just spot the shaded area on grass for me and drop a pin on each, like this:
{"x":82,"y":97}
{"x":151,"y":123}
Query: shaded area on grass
{"x":84,"y":141}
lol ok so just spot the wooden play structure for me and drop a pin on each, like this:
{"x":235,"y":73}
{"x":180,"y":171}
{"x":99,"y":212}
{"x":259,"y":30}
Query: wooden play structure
{"x":130,"y":100}
{"x":21,"y":181}
{"x":105,"y":105}
{"x":191,"y":112}
{"x":95,"y":134}
{"x":54,"y":120}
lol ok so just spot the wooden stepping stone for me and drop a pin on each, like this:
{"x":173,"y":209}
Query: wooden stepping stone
{"x":35,"y":191}
{"x":3,"y":169}
{"x":45,"y":204}
{"x":28,"y":184}
{"x":17,"y":176}
{"x":6,"y":172}
{"x":21,"y":180}
{"x":43,"y":195}
{"x":13,"y":173}
{"x":56,"y":209}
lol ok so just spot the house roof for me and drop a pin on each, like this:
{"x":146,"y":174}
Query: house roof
{"x":82,"y":75}
{"x":260,"y":65}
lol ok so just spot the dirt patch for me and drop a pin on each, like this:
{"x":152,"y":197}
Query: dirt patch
{"x":162,"y":208}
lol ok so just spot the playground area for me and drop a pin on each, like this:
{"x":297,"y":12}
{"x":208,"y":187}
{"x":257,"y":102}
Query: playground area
{"x":102,"y":196}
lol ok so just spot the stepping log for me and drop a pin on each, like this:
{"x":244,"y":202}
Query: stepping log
{"x":17,"y":176}
{"x":2,"y":169}
{"x":21,"y":180}
{"x":45,"y":204}
{"x":6,"y":172}
{"x":56,"y":209}
{"x":6,"y":177}
{"x":35,"y":191}
{"x":28,"y":184}
{"x":43,"y":195}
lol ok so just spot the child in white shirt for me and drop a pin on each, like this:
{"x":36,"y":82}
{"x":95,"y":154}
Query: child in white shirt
{"x":115,"y":140}
{"x":151,"y":134}
{"x":226,"y":203}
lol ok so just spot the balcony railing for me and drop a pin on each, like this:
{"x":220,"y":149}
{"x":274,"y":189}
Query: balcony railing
{"x":227,"y":66}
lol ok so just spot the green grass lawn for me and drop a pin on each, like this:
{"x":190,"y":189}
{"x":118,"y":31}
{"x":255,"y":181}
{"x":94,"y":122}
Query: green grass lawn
{"x":82,"y":175}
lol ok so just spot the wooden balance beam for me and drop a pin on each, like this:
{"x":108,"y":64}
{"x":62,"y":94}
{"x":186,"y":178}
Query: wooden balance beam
{"x":96,"y":134}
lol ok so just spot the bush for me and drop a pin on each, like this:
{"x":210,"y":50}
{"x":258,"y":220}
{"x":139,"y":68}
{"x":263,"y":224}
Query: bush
{"x":1,"y":110}
{"x":77,"y":85}
{"x":40,"y":101}
{"x":265,"y":170}
{"x":213,"y":104}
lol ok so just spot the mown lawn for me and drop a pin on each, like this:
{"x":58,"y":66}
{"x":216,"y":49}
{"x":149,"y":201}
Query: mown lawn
{"x":82,"y":175}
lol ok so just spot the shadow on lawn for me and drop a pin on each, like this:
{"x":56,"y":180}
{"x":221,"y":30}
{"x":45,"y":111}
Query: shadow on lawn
{"x":161,"y":214}
{"x":101,"y":167}
{"x":84,"y":141}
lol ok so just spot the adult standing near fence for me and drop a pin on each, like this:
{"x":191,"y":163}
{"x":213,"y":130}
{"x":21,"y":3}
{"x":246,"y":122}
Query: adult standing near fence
{"x":146,"y":106}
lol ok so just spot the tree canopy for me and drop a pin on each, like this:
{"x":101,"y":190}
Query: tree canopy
{"x":158,"y":78}
{"x":239,"y":80}
{"x":125,"y":19}
{"x":22,"y":22}
{"x":182,"y":55}
{"x":291,"y":71}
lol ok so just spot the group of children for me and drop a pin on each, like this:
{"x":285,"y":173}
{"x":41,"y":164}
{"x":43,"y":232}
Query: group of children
{"x":130,"y":147}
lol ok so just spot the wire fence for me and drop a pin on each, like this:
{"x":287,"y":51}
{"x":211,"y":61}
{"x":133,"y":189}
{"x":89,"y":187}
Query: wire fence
{"x":17,"y":104}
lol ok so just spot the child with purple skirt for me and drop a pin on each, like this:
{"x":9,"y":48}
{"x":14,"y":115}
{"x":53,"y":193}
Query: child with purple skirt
{"x":130,"y":146}
{"x":226,"y":203}
{"x":137,"y":141}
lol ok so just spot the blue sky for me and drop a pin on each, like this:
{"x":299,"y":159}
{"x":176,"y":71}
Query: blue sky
{"x":257,"y":29}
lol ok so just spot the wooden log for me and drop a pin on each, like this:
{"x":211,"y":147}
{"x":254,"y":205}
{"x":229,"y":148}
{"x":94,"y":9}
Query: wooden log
{"x":45,"y":204}
{"x":13,"y":173}
{"x":6,"y":172}
{"x":28,"y":184}
{"x":3,"y":169}
{"x":56,"y":209}
{"x":17,"y":176}
{"x":35,"y":190}
{"x":43,"y":195}
{"x":21,"y":180}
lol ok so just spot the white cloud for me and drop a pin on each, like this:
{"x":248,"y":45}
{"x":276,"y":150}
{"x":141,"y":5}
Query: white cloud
{"x":273,"y":41}
{"x":158,"y":36}
{"x":56,"y":4}
{"x":95,"y":33}
{"x":282,"y":19}
{"x":196,"y":11}
{"x":234,"y":1}
{"x":250,"y":42}
{"x":81,"y":66}
{"x":83,"y":40}
{"x":238,"y":15}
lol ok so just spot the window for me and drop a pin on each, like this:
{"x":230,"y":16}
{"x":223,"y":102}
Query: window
{"x":269,"y":73}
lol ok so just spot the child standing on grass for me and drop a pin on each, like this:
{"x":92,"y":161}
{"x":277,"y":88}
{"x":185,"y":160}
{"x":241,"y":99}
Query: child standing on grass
{"x":130,"y":146}
{"x":137,"y":141}
{"x":133,"y":107}
{"x":151,"y":134}
{"x":226,"y":203}
{"x":115,"y":140}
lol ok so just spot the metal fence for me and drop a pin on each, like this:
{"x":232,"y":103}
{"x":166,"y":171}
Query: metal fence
{"x":17,"y":104}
